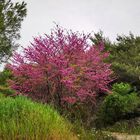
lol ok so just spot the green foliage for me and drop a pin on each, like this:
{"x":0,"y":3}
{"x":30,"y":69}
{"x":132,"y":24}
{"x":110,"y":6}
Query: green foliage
{"x":20,"y":118}
{"x":124,"y":56}
{"x":6,"y":90}
{"x":99,"y":37}
{"x":122,"y":88}
{"x":4,"y":76}
{"x":118,"y":104}
{"x":11,"y":16}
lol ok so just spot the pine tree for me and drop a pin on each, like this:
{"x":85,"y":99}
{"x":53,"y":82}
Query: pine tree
{"x":124,"y":56}
{"x":11,"y":16}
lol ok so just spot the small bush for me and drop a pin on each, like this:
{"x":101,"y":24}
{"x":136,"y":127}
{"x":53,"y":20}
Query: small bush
{"x":6,"y":90}
{"x":110,"y":107}
{"x":4,"y":76}
{"x":122,"y":88}
{"x":118,"y":105}
{"x":21,"y":118}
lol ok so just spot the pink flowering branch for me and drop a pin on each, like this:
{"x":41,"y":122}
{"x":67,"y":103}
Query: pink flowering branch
{"x":62,"y":66}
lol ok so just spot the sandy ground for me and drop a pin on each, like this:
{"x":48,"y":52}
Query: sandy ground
{"x":121,"y":136}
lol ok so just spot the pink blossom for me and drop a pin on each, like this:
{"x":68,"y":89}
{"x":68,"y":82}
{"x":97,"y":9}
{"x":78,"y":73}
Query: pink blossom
{"x":64,"y":64}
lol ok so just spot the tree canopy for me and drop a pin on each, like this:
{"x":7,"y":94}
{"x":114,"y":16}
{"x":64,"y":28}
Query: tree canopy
{"x":11,"y":16}
{"x":124,"y":56}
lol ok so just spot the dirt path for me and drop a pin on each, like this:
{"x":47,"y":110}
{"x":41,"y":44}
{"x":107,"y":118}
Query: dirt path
{"x":123,"y":136}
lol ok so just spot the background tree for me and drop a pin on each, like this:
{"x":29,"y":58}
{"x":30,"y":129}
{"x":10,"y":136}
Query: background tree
{"x":125,"y":59}
{"x":99,"y":37}
{"x":124,"y":56}
{"x":11,"y":16}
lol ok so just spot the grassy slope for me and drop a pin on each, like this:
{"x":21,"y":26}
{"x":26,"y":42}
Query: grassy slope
{"x":21,"y":118}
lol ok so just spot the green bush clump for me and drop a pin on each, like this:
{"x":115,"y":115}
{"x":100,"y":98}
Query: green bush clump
{"x":6,"y":90}
{"x":122,"y":88}
{"x":4,"y":76}
{"x":20,"y":118}
{"x":117,"y":105}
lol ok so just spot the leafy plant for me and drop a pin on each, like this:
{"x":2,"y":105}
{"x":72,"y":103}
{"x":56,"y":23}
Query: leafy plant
{"x":122,"y":88}
{"x":6,"y":90}
{"x":4,"y":76}
{"x":117,"y":105}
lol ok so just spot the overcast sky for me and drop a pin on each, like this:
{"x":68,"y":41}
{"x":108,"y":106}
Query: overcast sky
{"x":111,"y":16}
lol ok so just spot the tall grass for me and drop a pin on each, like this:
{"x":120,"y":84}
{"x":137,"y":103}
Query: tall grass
{"x":20,"y":118}
{"x":23,"y":119}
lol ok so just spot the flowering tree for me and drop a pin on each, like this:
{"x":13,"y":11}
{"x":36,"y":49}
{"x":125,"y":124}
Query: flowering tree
{"x":60,"y":67}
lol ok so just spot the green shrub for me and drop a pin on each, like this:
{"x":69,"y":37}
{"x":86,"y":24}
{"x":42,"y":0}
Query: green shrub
{"x":122,"y":88}
{"x":4,"y":76}
{"x":117,"y":105}
{"x":110,"y":110}
{"x":6,"y":90}
{"x":20,"y":118}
